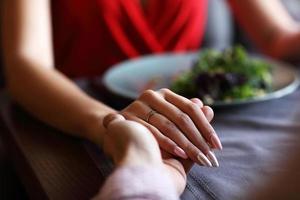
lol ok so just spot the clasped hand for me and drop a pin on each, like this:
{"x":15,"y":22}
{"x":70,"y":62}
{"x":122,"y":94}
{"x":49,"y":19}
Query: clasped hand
{"x":181,"y":126}
{"x":173,"y":126}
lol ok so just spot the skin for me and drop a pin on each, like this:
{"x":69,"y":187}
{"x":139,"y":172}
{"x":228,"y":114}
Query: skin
{"x":131,"y":144}
{"x":56,"y":100}
{"x":270,"y":26}
{"x":137,"y":147}
{"x":79,"y":114}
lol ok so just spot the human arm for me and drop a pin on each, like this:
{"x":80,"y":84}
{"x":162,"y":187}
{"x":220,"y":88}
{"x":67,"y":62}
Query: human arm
{"x":270,"y":26}
{"x":176,"y":122}
{"x":31,"y":78}
{"x":138,"y":160}
{"x":35,"y":84}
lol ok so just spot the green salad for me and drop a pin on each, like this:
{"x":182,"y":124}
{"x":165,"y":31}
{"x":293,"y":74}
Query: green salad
{"x":225,"y":76}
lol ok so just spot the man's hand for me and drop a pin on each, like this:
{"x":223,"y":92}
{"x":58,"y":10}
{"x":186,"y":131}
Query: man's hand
{"x":130,"y":143}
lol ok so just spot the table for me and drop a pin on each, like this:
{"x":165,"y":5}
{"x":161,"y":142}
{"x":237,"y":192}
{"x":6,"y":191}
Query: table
{"x":53,"y":165}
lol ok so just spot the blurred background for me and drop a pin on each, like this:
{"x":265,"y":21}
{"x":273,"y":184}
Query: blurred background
{"x":222,"y":31}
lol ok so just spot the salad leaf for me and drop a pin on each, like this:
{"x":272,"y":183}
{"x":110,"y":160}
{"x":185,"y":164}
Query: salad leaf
{"x":226,"y":76}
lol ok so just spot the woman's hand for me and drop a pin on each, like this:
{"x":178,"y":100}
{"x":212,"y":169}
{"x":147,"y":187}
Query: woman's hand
{"x":181,"y":126}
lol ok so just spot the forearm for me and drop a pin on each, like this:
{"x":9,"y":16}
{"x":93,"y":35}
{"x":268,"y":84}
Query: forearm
{"x":270,"y":26}
{"x":30,"y":75}
{"x":54,"y":99}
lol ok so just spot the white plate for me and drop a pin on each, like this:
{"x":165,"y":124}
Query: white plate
{"x":130,"y":78}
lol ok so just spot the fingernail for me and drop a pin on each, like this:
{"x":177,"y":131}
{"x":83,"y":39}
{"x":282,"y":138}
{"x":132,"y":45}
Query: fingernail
{"x":216,"y":141}
{"x":212,"y":157}
{"x":179,"y":152}
{"x":203,"y":160}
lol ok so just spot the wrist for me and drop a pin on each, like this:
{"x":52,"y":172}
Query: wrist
{"x":93,"y":126}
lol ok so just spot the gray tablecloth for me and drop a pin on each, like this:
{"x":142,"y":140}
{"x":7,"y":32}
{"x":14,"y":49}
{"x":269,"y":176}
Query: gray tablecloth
{"x":256,"y":140}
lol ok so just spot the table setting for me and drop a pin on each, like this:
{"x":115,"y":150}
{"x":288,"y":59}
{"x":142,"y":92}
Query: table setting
{"x":257,"y":134}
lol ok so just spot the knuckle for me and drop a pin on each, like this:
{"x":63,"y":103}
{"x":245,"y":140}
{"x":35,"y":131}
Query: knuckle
{"x":164,"y":141}
{"x":164,"y":90}
{"x":208,"y":129}
{"x":197,"y":101}
{"x":147,"y":94}
{"x":187,"y":145}
{"x":200,"y":103}
{"x":183,"y":119}
{"x":190,"y":148}
{"x":136,"y":104}
{"x":209,"y":111}
{"x":154,"y":132}
{"x":133,"y":107}
{"x":192,"y":108}
{"x":210,"y":132}
{"x":168,"y":144}
{"x":170,"y":127}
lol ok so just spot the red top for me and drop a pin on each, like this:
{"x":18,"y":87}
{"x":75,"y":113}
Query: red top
{"x":91,"y":35}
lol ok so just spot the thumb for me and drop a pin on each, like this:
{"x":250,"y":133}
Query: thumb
{"x":111,"y":118}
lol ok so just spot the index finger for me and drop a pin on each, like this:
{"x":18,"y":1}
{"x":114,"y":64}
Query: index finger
{"x":196,"y":114}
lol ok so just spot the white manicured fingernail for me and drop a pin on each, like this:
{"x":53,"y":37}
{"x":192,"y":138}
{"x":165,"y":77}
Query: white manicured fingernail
{"x":204,"y":160}
{"x":213,"y":159}
{"x":215,"y":141}
{"x":179,"y":152}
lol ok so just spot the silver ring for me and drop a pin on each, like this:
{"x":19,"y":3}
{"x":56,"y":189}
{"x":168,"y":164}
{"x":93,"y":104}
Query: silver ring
{"x":149,"y":115}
